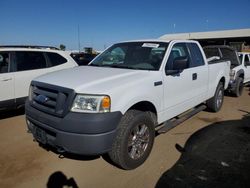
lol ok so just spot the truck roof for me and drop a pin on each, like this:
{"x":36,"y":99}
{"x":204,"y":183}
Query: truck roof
{"x":159,"y":40}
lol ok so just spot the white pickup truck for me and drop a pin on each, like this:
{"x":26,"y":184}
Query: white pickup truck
{"x":116,"y":103}
{"x":240,"y":66}
{"x":244,"y":67}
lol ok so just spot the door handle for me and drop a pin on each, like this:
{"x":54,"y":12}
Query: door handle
{"x":6,"y":79}
{"x":194,"y":76}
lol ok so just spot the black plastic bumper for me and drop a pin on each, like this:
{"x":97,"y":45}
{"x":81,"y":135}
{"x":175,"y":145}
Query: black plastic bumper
{"x":79,"y":133}
{"x":232,"y":85}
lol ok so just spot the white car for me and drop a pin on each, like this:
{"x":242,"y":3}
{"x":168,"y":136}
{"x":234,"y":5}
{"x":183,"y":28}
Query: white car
{"x":115,"y":104}
{"x":20,"y":64}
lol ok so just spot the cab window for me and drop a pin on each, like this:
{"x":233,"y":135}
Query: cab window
{"x":246,"y":61}
{"x":197,"y":58}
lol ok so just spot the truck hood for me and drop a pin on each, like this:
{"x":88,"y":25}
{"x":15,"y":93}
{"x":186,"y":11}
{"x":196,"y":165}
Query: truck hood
{"x":93,"y":80}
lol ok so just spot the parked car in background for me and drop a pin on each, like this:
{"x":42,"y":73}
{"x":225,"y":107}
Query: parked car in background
{"x":240,"y":66}
{"x":115,"y":104}
{"x":83,"y":58}
{"x":20,"y":64}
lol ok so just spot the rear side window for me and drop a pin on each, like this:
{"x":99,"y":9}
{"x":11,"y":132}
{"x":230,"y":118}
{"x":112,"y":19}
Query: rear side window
{"x":4,"y":62}
{"x":55,"y":59}
{"x":210,"y":52}
{"x":197,"y":58}
{"x":246,"y":61}
{"x":30,"y":61}
{"x":229,"y":54}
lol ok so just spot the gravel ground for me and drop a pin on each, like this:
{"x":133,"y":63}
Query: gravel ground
{"x":209,"y":150}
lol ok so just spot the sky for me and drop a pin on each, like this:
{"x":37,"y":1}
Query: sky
{"x":99,"y":24}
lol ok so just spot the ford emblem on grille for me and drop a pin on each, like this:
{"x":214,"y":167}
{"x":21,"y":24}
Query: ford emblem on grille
{"x":41,"y":99}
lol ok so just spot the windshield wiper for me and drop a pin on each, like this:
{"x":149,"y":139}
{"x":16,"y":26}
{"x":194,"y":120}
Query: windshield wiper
{"x":121,"y":66}
{"x":95,"y":65}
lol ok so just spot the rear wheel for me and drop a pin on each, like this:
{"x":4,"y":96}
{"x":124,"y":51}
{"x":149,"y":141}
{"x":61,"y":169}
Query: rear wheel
{"x":239,"y":87}
{"x":215,"y":103}
{"x":134,"y":140}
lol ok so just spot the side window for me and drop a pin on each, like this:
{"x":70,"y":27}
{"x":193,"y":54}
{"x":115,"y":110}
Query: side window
{"x":55,"y":59}
{"x":197,"y":58}
{"x":177,"y":51}
{"x":210,"y":52}
{"x":4,"y":62}
{"x":246,"y":61}
{"x":29,"y":60}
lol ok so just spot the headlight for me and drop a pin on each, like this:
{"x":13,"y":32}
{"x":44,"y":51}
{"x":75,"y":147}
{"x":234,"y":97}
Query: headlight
{"x":31,"y":93}
{"x":232,"y":74}
{"x":91,"y":104}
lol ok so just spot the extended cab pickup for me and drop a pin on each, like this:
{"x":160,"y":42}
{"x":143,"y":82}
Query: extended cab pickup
{"x":240,"y":66}
{"x":116,"y":103}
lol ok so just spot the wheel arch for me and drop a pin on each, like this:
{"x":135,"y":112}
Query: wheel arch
{"x":223,"y":81}
{"x":240,"y":74}
{"x":146,"y":106}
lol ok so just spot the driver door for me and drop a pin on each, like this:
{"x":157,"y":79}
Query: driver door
{"x":184,"y":90}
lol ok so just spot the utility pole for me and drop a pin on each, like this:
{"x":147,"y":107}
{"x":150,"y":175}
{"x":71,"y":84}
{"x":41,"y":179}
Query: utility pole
{"x":207,"y":25}
{"x":79,"y":47}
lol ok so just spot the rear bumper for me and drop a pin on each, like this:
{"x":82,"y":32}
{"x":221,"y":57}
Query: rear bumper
{"x":86,"y":134}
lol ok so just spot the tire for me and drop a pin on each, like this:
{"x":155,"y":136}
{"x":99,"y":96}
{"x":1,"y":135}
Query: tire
{"x":215,"y":103}
{"x":239,"y":87}
{"x":134,"y":140}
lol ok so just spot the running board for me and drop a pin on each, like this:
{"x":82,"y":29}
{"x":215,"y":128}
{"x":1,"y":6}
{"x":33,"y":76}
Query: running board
{"x":170,"y":124}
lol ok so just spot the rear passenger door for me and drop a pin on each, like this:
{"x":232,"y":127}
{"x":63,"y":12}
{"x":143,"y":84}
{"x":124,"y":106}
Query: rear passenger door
{"x":7,"y":98}
{"x":28,"y":65}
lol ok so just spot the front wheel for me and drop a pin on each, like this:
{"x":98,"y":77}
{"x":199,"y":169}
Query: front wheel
{"x":134,"y":140}
{"x":239,"y":87}
{"x":215,"y":103}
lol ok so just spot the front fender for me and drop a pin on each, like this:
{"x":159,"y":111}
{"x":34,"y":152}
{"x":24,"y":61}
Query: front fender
{"x":123,"y":100}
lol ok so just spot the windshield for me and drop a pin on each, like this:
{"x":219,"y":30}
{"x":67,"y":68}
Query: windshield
{"x":133,"y":55}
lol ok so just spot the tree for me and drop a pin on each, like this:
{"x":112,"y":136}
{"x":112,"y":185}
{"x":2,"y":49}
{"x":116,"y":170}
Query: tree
{"x":62,"y":47}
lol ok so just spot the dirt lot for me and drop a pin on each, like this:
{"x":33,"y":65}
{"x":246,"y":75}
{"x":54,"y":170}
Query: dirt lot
{"x":24,"y":164}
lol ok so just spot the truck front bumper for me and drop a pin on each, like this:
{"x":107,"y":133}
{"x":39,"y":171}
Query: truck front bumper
{"x":79,"y":133}
{"x":232,"y":85}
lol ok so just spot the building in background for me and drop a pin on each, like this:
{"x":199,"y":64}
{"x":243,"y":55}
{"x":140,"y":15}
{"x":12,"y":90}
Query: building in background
{"x":238,"y":39}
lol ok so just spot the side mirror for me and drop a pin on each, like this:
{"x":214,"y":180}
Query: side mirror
{"x":179,"y":64}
